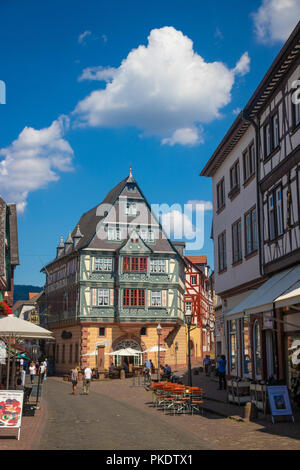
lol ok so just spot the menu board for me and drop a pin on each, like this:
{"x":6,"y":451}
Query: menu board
{"x":11,"y":404}
{"x":279,"y":399}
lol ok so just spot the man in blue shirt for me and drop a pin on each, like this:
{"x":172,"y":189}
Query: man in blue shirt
{"x":222,"y":371}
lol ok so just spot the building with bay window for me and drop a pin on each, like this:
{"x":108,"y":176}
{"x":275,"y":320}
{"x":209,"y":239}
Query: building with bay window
{"x":256,"y":197}
{"x":199,"y":299}
{"x":113,"y":280}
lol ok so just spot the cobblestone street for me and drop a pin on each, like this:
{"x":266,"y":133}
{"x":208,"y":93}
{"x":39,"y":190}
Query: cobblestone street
{"x":102,"y":421}
{"x":118,"y":416}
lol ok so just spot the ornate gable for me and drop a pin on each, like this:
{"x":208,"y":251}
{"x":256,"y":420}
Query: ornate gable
{"x":135,"y":245}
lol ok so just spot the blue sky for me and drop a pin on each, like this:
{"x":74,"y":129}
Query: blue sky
{"x":44,"y":49}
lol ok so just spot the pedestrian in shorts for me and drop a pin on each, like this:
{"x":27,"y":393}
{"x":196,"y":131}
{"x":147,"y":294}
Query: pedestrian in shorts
{"x":87,"y":377}
{"x":74,"y":379}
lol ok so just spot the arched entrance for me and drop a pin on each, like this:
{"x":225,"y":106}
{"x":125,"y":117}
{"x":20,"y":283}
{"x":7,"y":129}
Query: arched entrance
{"x":134,"y":360}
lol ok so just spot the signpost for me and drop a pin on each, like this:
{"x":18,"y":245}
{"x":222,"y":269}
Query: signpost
{"x":11,"y":404}
{"x":279,"y":399}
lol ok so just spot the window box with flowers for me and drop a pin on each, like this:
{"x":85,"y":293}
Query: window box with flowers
{"x":5,"y":308}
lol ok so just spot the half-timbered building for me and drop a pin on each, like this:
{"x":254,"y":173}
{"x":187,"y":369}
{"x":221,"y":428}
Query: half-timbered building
{"x":256,"y":224}
{"x":113,"y":280}
{"x":198,"y":298}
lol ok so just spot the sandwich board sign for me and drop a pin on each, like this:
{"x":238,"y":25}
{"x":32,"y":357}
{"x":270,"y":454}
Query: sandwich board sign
{"x":11,"y":405}
{"x":279,"y":399}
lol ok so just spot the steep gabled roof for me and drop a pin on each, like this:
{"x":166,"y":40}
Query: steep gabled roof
{"x":89,"y":220}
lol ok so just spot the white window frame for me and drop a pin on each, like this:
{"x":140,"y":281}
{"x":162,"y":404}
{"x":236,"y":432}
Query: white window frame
{"x":151,"y":237}
{"x":131,"y":208}
{"x":103,"y":294}
{"x":114,"y":234}
{"x":156,"y":299}
{"x":157,"y":266}
{"x":103,"y":264}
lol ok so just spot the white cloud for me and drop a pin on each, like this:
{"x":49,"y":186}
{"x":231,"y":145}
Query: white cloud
{"x":236,"y":111}
{"x":82,"y":37}
{"x":33,"y":160}
{"x":105,"y":74}
{"x":164,"y":88}
{"x":187,"y":136}
{"x":243,"y":65}
{"x":275,"y":19}
{"x":177,"y":225}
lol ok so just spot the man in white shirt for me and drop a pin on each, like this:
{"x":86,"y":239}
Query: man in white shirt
{"x":87,"y":377}
{"x":42,"y":371}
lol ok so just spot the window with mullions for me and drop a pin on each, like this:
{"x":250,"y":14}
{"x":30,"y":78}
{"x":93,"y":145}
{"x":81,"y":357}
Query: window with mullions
{"x":103,"y":297}
{"x":251,"y":231}
{"x":156,"y":298}
{"x":237,"y":241}
{"x":114,"y":233}
{"x":221,"y":194}
{"x":249,"y":162}
{"x":222,"y":252}
{"x":157,"y":266}
{"x":131,"y":208}
{"x":134,"y":297}
{"x":103,"y":264}
{"x":235,"y":175}
{"x":134,"y":264}
{"x":275,"y":213}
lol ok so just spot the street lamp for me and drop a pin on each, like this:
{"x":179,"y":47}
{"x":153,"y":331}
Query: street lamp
{"x":159,"y":330}
{"x":188,"y":320}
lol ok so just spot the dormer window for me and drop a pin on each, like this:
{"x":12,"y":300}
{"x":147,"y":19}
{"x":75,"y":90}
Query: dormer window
{"x":131,"y":209}
{"x":114,"y":233}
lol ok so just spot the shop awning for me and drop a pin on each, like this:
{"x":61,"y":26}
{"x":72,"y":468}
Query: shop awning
{"x":283,"y":289}
{"x":290,"y":297}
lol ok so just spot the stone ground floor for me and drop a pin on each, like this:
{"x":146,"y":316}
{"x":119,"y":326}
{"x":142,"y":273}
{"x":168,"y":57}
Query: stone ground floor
{"x":88,"y":344}
{"x":116,"y":415}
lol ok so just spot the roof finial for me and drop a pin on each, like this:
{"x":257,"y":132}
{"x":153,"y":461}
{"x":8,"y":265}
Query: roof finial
{"x":130,"y":171}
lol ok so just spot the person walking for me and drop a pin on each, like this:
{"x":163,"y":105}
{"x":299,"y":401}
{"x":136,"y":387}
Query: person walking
{"x":74,"y":379}
{"x":46,"y":368}
{"x":87,"y":377}
{"x":207,"y":365}
{"x":42,"y":371}
{"x":222,"y":372}
{"x":32,"y":372}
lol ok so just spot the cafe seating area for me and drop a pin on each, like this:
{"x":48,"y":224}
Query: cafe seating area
{"x":174,"y":398}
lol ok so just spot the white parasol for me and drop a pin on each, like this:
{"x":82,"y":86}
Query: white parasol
{"x":124,"y":352}
{"x":154,"y":349}
{"x":13,"y":328}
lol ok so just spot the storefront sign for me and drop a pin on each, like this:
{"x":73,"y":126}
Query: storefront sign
{"x":279,"y":399}
{"x":268,"y":320}
{"x":11,"y":404}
